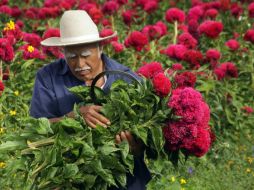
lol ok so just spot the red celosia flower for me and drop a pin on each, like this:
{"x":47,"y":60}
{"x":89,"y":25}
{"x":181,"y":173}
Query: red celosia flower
{"x":48,"y":12}
{"x":32,"y":38}
{"x":20,"y":23}
{"x":32,"y":13}
{"x":85,"y":5}
{"x":128,"y":16}
{"x":106,"y":23}
{"x":152,"y":31}
{"x":13,"y":32}
{"x":187,"y":40}
{"x":233,"y":44}
{"x":201,"y":144}
{"x":30,"y":52}
{"x":51,"y":3}
{"x":6,"y":50}
{"x":95,"y":14}
{"x":110,"y":7}
{"x":193,"y":28}
{"x":161,"y":84}
{"x":213,"y":54}
{"x":249,"y":35}
{"x":137,"y":40}
{"x":1,"y":87}
{"x":117,"y":46}
{"x":4,"y":2}
{"x":150,"y":6}
{"x":55,"y":51}
{"x":211,"y":29}
{"x":175,"y":14}
{"x":177,"y":66}
{"x":163,"y":27}
{"x":150,"y":69}
{"x":212,"y":5}
{"x":194,"y":58}
{"x":211,"y":13}
{"x":195,"y":13}
{"x":176,"y":51}
{"x":225,"y":4}
{"x":236,"y":10}
{"x":15,"y":11}
{"x":251,"y":10}
{"x":107,"y":32}
{"x":185,"y":79}
{"x":122,"y":2}
{"x":226,"y":69}
{"x":187,"y":103}
{"x":5,"y":9}
{"x":247,"y":109}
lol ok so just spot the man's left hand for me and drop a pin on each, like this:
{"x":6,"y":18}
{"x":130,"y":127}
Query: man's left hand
{"x":136,"y":147}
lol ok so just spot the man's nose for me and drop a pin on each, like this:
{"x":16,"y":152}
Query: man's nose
{"x":81,"y":61}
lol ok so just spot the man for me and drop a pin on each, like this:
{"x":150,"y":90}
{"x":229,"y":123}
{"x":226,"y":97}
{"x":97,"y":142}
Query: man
{"x":84,"y":59}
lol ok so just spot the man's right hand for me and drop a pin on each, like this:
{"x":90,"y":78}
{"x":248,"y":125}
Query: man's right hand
{"x":92,"y":116}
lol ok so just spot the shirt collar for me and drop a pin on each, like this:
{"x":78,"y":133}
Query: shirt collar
{"x":64,"y":69}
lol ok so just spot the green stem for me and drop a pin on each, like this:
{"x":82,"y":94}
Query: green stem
{"x":35,"y":145}
{"x":175,"y":32}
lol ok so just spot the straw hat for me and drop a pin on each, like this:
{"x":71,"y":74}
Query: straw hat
{"x":76,"y":27}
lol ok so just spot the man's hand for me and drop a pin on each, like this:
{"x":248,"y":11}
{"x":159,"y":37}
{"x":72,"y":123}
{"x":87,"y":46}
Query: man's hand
{"x":93,"y":117}
{"x":136,"y":147}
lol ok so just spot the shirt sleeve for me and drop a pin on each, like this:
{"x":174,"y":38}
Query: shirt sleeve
{"x":44,"y":102}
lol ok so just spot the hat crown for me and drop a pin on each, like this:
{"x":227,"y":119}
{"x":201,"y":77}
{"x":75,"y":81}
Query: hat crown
{"x":77,"y":25}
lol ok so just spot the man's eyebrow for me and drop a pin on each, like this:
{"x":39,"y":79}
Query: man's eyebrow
{"x":86,"y":52}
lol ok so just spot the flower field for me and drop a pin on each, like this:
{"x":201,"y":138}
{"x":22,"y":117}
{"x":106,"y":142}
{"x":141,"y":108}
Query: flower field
{"x":197,"y":59}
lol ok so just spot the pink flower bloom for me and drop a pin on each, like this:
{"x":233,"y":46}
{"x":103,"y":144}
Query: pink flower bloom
{"x":175,"y":14}
{"x":176,"y":51}
{"x":95,"y":14}
{"x":236,"y":10}
{"x":128,"y":16}
{"x":150,"y":69}
{"x":177,"y":66}
{"x":187,"y":40}
{"x":247,"y":109}
{"x":163,"y":27}
{"x":232,"y":44}
{"x":30,"y":52}
{"x":195,"y":13}
{"x":122,"y":2}
{"x":249,"y":35}
{"x":48,"y":12}
{"x":161,"y":84}
{"x":193,"y":28}
{"x":32,"y":13}
{"x":117,"y":46}
{"x":187,"y":103}
{"x":5,"y":9}
{"x":107,"y":32}
{"x":201,"y":144}
{"x":15,"y":11}
{"x":152,"y":31}
{"x":13,"y":34}
{"x":211,"y":13}
{"x":211,"y":29}
{"x":194,"y":58}
{"x":137,"y":40}
{"x":185,"y":79}
{"x":6,"y":50}
{"x":151,"y":6}
{"x":1,"y":87}
{"x":110,"y":7}
{"x":55,"y":51}
{"x":213,"y":54}
{"x":251,"y":10}
{"x":32,"y":38}
{"x":226,"y":69}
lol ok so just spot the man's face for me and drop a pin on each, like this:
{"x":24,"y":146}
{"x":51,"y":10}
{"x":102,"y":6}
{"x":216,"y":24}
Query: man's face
{"x":84,"y":60}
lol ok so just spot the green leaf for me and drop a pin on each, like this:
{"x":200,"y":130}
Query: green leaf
{"x":43,"y":127}
{"x":70,"y":170}
{"x":12,"y":145}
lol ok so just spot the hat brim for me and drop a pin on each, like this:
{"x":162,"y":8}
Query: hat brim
{"x":56,"y":41}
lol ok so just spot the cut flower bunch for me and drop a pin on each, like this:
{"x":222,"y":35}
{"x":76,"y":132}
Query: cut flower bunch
{"x":70,"y":155}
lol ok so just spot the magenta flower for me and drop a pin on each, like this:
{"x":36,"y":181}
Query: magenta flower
{"x":175,"y":14}
{"x":211,"y":29}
